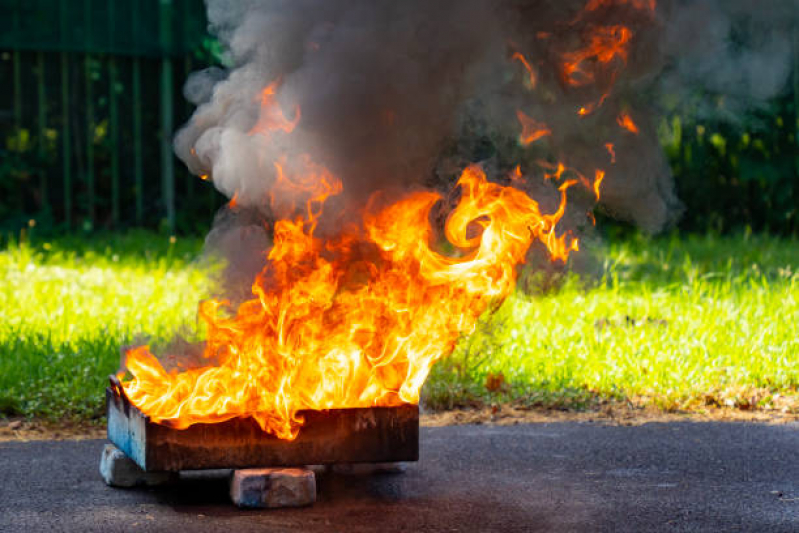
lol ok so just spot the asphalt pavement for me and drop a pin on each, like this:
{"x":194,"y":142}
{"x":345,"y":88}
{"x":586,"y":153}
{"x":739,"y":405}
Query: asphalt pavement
{"x":540,"y":477}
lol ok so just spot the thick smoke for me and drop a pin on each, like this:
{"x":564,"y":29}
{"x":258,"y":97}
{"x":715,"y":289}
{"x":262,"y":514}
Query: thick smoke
{"x":397,"y":94}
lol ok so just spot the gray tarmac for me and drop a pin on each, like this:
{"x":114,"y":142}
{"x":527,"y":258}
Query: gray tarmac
{"x":539,"y":477}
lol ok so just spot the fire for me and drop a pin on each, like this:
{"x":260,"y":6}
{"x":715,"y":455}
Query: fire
{"x":626,"y":122}
{"x":611,"y":151}
{"x":356,"y":320}
{"x":587,"y":109}
{"x":558,"y":170}
{"x":647,"y":5}
{"x":605,"y":44}
{"x":531,"y":73}
{"x":271,"y":117}
{"x":532,"y":130}
{"x":599,"y":175}
{"x":516,"y":176}
{"x":357,"y":317}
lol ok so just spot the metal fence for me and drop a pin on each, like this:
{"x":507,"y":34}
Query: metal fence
{"x":87,"y":113}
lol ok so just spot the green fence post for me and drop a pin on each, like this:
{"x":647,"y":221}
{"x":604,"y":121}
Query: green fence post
{"x":66,"y":147}
{"x":186,"y":7}
{"x":167,"y":163}
{"x":138,"y":163}
{"x":114,"y":134}
{"x":42,"y":152}
{"x":114,"y":119}
{"x":17,"y":72}
{"x":796,"y":95}
{"x":89,"y":95}
{"x":17,"y":90}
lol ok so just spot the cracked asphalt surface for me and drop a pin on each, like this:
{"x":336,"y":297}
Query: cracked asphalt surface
{"x":540,"y":477}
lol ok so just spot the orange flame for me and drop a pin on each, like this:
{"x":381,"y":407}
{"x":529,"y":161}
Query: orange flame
{"x":523,"y":60}
{"x":626,"y":122}
{"x":531,"y":129}
{"x":271,"y":117}
{"x":559,"y":169}
{"x":605,"y":44}
{"x":516,"y":176}
{"x":353,"y":321}
{"x":612,"y":151}
{"x":587,"y":109}
{"x":599,"y":176}
{"x":644,"y":5}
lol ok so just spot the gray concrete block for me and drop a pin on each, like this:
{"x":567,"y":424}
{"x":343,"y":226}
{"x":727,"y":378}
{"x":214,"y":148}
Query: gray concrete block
{"x":118,"y":470}
{"x":273,"y":487}
{"x":368,"y":469}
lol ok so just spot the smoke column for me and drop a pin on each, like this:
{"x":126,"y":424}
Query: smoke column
{"x":392,"y":95}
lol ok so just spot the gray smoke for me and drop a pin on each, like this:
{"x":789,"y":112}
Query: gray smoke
{"x":397,"y":94}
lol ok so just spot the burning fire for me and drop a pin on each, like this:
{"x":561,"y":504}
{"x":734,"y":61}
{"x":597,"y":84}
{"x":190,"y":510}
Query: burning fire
{"x":626,"y":122}
{"x":606,"y":44}
{"x":357,"y":319}
{"x":352,"y":321}
{"x":531,"y":73}
{"x":332,"y":327}
{"x":532,"y":130}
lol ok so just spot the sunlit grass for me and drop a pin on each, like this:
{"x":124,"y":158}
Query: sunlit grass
{"x":67,"y":306}
{"x":678,"y":324}
{"x":673,"y":323}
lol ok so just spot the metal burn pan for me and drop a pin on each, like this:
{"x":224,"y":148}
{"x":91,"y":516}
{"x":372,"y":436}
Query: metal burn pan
{"x":361,"y":435}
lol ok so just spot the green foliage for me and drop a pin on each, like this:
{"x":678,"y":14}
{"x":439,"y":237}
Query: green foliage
{"x":737,"y":176}
{"x":672,"y":323}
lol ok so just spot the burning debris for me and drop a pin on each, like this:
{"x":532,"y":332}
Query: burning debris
{"x":330,"y":121}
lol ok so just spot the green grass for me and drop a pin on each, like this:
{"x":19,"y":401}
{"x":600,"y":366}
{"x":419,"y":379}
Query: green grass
{"x":67,"y":306}
{"x":676,"y":323}
{"x":673,"y":323}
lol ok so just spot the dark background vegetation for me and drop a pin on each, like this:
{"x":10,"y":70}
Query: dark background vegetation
{"x":92,"y":94}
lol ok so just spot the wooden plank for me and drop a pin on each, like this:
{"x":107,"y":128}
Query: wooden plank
{"x":368,"y":435}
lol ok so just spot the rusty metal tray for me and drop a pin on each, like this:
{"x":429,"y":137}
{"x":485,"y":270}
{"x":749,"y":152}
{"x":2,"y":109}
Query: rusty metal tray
{"x":360,"y":435}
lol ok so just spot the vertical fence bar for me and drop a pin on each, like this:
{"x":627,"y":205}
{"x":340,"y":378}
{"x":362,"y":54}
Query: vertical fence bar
{"x":89,"y":100}
{"x":167,"y":164}
{"x":114,"y":118}
{"x":66,"y":146}
{"x":186,"y":36}
{"x":17,"y":70}
{"x":138,"y":162}
{"x":42,"y":148}
{"x":188,"y":107}
{"x":114,"y":134}
{"x":17,"y":84}
{"x":796,"y":96}
{"x":17,"y":59}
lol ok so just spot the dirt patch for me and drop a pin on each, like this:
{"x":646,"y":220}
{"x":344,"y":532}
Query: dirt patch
{"x":26,"y":430}
{"x":616,"y":414}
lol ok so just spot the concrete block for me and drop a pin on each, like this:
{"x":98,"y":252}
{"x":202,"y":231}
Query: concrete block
{"x":369,"y":469}
{"x":273,"y":487}
{"x":118,"y":470}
